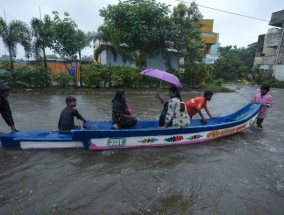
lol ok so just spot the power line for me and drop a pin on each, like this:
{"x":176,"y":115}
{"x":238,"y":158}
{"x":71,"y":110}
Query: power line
{"x":224,"y":11}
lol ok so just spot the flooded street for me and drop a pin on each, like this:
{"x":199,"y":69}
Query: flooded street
{"x":240,"y":174}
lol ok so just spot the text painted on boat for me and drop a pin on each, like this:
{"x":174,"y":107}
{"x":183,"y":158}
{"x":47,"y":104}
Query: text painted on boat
{"x":116,"y":142}
{"x":219,"y":133}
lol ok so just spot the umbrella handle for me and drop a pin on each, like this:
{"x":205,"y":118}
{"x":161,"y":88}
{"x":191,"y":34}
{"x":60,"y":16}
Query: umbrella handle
{"x":159,"y":97}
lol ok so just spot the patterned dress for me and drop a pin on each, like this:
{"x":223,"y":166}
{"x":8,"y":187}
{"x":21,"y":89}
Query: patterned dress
{"x":179,"y":118}
{"x":266,"y":100}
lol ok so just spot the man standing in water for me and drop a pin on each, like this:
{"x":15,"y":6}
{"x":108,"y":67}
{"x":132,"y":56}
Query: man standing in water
{"x":5,"y":107}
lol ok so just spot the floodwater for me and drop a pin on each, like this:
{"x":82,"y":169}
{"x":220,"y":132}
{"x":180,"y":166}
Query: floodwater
{"x":240,"y":174}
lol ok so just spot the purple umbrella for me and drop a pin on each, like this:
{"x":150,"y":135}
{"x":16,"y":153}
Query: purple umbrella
{"x":162,"y":75}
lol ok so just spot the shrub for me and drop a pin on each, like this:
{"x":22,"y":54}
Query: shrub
{"x":125,"y":76}
{"x":92,"y":76}
{"x":195,"y":74}
{"x":36,"y":77}
{"x":6,"y":77}
{"x":219,"y":82}
{"x":63,"y":79}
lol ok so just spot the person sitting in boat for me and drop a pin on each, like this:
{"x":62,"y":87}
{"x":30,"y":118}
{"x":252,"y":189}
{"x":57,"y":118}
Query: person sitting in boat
{"x":5,"y":107}
{"x":195,"y":105}
{"x":66,"y":120}
{"x":176,"y":115}
{"x":122,"y":114}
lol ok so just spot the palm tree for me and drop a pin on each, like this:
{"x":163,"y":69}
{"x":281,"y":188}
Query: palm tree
{"x":42,"y":32}
{"x":108,"y":43}
{"x":17,"y":32}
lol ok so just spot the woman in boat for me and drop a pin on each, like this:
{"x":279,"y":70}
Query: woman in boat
{"x":5,"y":110}
{"x":122,"y":115}
{"x":177,"y":115}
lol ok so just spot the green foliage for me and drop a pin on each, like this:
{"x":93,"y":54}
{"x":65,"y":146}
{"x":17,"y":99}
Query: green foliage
{"x":188,"y":34}
{"x":109,"y":49}
{"x":234,"y":63}
{"x":274,"y":83}
{"x":242,"y":84}
{"x":68,"y":39}
{"x":6,"y":77}
{"x":125,"y":76}
{"x":43,"y":36}
{"x":132,"y":23}
{"x":247,"y":55}
{"x":195,"y":74}
{"x":4,"y":65}
{"x":214,"y":88}
{"x":219,"y":82}
{"x":92,"y":75}
{"x":14,"y":33}
{"x":36,"y":77}
{"x":63,"y":79}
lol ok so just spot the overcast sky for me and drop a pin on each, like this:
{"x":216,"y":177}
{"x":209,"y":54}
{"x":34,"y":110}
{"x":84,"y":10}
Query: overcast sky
{"x":233,"y":29}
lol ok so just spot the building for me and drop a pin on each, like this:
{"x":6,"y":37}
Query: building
{"x":211,"y":40}
{"x":269,"y":56}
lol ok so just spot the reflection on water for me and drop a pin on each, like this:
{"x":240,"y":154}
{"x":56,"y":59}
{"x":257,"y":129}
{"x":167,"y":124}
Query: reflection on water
{"x":239,"y":174}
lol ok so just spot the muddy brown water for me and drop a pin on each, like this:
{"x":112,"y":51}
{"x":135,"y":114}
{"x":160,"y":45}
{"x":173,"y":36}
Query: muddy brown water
{"x":239,"y":174}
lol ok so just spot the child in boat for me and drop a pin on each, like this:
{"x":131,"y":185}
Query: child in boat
{"x":195,"y":105}
{"x":122,"y":114}
{"x":176,"y":115}
{"x":266,"y":99}
{"x":66,"y":120}
{"x":5,"y":110}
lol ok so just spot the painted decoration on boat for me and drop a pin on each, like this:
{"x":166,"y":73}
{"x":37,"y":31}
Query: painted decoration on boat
{"x":159,"y":140}
{"x":174,"y":139}
{"x":148,"y":140}
{"x":194,"y":137}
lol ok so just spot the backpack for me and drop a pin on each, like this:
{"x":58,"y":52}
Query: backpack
{"x":182,"y":107}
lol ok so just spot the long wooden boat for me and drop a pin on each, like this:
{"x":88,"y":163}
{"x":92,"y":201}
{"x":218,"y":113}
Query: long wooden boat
{"x":98,"y":135}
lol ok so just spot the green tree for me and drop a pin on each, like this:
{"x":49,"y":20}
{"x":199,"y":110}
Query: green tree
{"x":108,"y":42}
{"x":43,"y":36}
{"x":133,"y":24}
{"x":247,"y":55}
{"x":230,"y":66}
{"x":69,"y":40}
{"x":16,"y":32}
{"x":65,"y":34}
{"x":195,"y":73}
{"x":82,"y":40}
{"x":188,"y":40}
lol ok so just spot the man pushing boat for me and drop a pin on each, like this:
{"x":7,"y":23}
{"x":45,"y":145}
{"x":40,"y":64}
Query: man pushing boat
{"x":5,"y":107}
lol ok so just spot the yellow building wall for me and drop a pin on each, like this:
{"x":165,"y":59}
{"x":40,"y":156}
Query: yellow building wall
{"x":207,"y":25}
{"x":207,"y":35}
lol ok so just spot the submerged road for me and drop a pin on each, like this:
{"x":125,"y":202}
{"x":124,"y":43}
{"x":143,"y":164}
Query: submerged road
{"x":239,"y":174}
